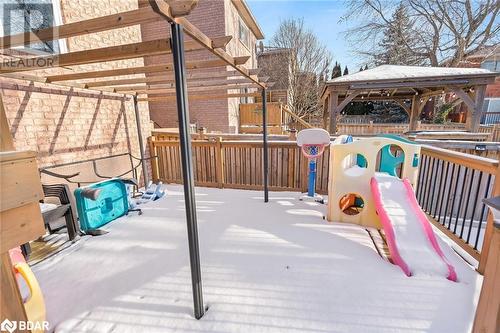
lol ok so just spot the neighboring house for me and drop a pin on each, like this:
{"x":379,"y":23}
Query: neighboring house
{"x":488,"y":58}
{"x":215,"y":19}
{"x":275,"y":63}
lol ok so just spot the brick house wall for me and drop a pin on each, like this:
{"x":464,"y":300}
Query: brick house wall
{"x":69,"y":124}
{"x":214,"y":18}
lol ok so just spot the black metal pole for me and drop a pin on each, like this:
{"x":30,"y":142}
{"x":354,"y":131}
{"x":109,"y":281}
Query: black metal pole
{"x":141,"y":142}
{"x":264,"y":139}
{"x":187,"y":165}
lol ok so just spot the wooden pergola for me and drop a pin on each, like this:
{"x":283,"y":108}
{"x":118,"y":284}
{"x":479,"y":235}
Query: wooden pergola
{"x":168,"y":81}
{"x":409,"y":86}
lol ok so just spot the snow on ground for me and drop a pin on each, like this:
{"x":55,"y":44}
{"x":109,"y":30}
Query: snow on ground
{"x":275,"y":267}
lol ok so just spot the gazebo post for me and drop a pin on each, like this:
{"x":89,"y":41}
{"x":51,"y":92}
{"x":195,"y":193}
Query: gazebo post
{"x":326,"y":102}
{"x":264,"y":141}
{"x":480,"y":92}
{"x":414,"y":112}
{"x":141,"y":143}
{"x":474,"y":106}
{"x":187,"y":165}
{"x":332,"y":106}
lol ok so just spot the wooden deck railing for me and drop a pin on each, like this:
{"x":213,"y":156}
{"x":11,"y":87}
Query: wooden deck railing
{"x":238,"y":164}
{"x":450,"y":190}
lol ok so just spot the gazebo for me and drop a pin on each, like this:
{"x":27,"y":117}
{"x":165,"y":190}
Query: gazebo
{"x":410,"y":87}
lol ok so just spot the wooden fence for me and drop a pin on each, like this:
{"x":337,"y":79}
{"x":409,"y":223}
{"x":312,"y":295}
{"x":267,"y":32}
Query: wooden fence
{"x":493,"y":130}
{"x":238,"y":164}
{"x":372,"y":128}
{"x":250,"y":118}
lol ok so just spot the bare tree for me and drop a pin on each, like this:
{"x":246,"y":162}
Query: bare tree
{"x":445,"y":31}
{"x":296,"y":61}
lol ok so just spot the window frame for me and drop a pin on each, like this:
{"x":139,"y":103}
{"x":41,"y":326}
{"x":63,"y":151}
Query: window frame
{"x":243,"y":27}
{"x":57,"y":20}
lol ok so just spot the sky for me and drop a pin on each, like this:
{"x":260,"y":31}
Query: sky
{"x":321,"y":16}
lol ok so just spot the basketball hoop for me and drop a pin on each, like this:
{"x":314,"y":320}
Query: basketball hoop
{"x":312,"y":151}
{"x":312,"y":142}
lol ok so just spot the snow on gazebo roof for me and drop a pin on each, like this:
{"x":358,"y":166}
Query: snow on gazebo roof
{"x":409,"y":73}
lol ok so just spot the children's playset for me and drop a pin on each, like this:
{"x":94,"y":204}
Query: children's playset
{"x":372,"y":185}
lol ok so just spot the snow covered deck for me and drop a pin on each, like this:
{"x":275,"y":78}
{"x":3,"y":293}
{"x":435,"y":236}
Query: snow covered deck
{"x":276,"y":267}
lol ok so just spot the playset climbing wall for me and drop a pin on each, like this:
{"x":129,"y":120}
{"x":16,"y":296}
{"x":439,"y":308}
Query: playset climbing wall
{"x":353,"y":165}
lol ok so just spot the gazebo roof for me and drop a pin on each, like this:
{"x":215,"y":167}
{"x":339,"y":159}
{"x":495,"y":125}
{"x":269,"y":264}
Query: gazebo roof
{"x":404,"y":84}
{"x":399,"y":73}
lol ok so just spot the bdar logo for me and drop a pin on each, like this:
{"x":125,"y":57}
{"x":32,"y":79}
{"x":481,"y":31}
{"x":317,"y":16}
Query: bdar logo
{"x":8,"y":326}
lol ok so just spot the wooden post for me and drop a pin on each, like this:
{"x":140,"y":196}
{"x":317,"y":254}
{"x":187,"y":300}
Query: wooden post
{"x":480,"y":92}
{"x":474,"y":106}
{"x":370,"y":128}
{"x":487,"y":318}
{"x":416,"y":108}
{"x":326,"y":112}
{"x":219,"y":162}
{"x":201,"y":133}
{"x":11,"y":304}
{"x":153,"y":151}
{"x":6,"y":141}
{"x":332,"y":110}
{"x":485,"y":250}
{"x":303,"y":173}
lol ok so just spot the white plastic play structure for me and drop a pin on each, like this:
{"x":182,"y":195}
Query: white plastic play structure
{"x":372,"y":186}
{"x":313,"y":142}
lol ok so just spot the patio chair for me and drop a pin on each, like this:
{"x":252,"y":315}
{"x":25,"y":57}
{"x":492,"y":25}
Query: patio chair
{"x":52,"y":212}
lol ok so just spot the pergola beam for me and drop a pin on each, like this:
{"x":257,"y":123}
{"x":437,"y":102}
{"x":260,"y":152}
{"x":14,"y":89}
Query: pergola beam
{"x":114,"y":21}
{"x":163,"y":8}
{"x":193,"y":85}
{"x":192,"y":89}
{"x":167,"y":67}
{"x":197,"y":97}
{"x":112,"y":53}
{"x":193,"y":77}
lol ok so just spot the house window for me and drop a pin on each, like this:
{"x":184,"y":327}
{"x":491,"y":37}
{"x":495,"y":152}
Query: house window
{"x":492,"y":65}
{"x":23,"y":15}
{"x":491,"y":111}
{"x":244,"y":99}
{"x":244,"y":34}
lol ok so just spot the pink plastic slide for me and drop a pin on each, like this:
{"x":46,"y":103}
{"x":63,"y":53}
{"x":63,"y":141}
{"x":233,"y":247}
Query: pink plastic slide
{"x":410,"y":238}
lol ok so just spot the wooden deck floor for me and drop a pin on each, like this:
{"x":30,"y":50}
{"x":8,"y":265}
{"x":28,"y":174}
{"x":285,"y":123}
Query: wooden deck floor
{"x":47,"y":246}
